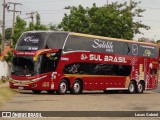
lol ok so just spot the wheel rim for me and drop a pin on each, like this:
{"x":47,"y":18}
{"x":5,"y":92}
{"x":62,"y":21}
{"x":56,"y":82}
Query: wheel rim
{"x":140,"y":88}
{"x":63,"y":87}
{"x":131,"y":88}
{"x":76,"y":87}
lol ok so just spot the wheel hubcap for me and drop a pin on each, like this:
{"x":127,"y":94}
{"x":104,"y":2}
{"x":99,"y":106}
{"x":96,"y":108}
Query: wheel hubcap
{"x":131,"y":87}
{"x":140,"y":87}
{"x":76,"y":87}
{"x":63,"y":87}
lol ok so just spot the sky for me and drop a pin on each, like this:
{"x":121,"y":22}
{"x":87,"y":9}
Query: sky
{"x":52,"y":12}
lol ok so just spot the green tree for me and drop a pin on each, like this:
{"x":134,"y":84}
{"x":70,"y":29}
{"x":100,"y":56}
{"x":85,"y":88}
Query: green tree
{"x":0,"y":38}
{"x":19,"y":28}
{"x":9,"y":57}
{"x":114,"y":20}
{"x":53,"y":27}
{"x":8,"y":33}
{"x":141,"y":40}
{"x":158,"y":41}
{"x":38,"y":25}
{"x":31,"y":26}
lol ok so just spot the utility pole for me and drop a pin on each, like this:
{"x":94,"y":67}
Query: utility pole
{"x":14,"y":11}
{"x":3,"y":25}
{"x":130,"y":3}
{"x":31,"y":15}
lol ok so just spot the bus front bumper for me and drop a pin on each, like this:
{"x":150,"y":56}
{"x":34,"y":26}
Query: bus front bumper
{"x":33,"y":84}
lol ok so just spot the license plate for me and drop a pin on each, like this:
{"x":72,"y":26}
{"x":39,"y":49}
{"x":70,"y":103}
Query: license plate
{"x":21,"y":88}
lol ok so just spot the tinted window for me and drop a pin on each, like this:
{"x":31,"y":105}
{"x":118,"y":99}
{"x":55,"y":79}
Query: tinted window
{"x":56,"y":40}
{"x":78,"y":43}
{"x":31,"y":41}
{"x":48,"y":65}
{"x":97,"y":69}
{"x":22,"y":65}
{"x":109,"y":46}
{"x":49,"y":62}
{"x":95,"y":45}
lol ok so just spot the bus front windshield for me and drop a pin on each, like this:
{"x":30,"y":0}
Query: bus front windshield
{"x":25,"y":66}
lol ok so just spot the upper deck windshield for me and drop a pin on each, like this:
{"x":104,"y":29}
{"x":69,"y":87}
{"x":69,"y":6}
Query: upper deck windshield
{"x":31,"y":41}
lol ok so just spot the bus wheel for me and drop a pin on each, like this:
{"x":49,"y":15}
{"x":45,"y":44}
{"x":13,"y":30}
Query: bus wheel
{"x":140,"y":87}
{"x":50,"y":91}
{"x":131,"y":87}
{"x":36,"y":91}
{"x":76,"y":87}
{"x":63,"y":87}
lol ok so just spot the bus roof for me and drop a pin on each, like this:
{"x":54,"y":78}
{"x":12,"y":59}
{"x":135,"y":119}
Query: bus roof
{"x":94,"y":36}
{"x":109,"y":38}
{"x":48,"y":31}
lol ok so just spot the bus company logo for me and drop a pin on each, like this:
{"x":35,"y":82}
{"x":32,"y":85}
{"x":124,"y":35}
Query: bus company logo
{"x":31,"y":39}
{"x":135,"y":49}
{"x":103,"y":44}
{"x":83,"y":57}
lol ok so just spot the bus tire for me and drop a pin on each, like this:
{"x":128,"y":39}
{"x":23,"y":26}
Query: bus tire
{"x":140,"y":87}
{"x":76,"y":87}
{"x":131,"y":87}
{"x":50,"y":91}
{"x":36,"y":91}
{"x":63,"y":87}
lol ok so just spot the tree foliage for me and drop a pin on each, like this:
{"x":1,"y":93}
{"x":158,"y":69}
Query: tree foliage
{"x":9,"y":56}
{"x":0,"y":38}
{"x":53,"y":27}
{"x":113,"y":20}
{"x":19,"y":28}
{"x":158,"y":41}
{"x":8,"y":33}
{"x":38,"y":25}
{"x":31,"y":26}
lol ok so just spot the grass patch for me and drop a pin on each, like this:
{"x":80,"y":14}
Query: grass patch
{"x":6,"y":94}
{"x":1,"y":82}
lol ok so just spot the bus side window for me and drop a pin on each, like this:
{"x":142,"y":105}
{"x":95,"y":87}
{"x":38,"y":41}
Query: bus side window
{"x":103,"y":69}
{"x":97,"y":69}
{"x":122,"y":70}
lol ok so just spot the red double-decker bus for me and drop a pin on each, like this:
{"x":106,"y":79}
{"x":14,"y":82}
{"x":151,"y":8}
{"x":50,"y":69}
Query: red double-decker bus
{"x":66,"y":61}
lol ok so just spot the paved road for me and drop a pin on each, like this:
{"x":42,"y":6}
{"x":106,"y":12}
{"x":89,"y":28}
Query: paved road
{"x":88,"y":101}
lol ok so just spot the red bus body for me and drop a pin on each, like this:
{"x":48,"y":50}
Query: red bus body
{"x":101,"y":64}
